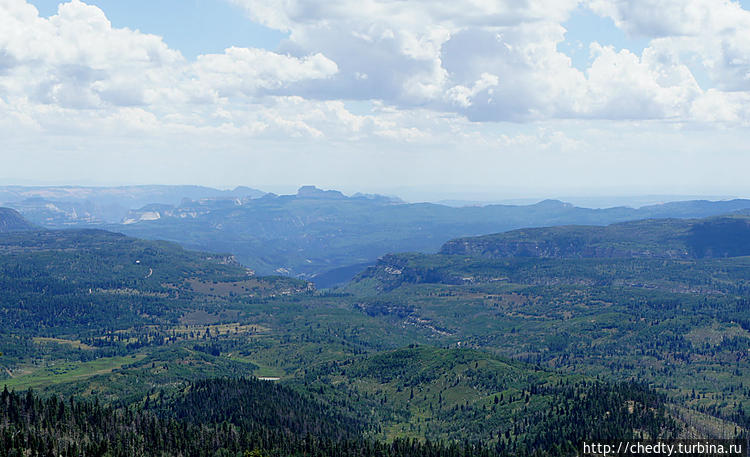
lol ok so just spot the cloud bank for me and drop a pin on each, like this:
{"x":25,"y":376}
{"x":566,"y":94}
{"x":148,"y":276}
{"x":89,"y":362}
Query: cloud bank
{"x":488,"y":75}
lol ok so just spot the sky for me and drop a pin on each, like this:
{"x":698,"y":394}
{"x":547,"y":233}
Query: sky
{"x":426,"y":99}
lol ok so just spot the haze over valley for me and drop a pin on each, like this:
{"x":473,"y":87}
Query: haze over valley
{"x":320,"y":235}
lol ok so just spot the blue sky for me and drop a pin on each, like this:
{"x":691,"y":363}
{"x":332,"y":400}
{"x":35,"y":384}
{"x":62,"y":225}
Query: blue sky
{"x":585,"y":26}
{"x":193,"y":26}
{"x":430,"y":99}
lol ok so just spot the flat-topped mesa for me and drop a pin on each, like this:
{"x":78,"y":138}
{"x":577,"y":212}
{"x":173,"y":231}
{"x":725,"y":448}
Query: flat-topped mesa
{"x":314,"y":192}
{"x":656,"y":238}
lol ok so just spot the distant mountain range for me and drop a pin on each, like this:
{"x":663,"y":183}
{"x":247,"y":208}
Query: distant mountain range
{"x":320,"y":235}
{"x":72,"y":205}
{"x":314,"y":231}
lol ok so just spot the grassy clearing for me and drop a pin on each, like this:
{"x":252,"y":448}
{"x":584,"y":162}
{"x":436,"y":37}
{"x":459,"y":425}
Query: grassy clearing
{"x":62,"y":371}
{"x":198,"y":331}
{"x":75,"y":344}
{"x":226,"y":289}
{"x":263,"y":370}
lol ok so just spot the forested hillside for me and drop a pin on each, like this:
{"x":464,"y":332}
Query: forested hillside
{"x":254,"y":418}
{"x":84,"y":302}
{"x":55,"y":282}
{"x":487,"y":356}
{"x":681,"y":322}
{"x":462,"y":394}
{"x":12,"y":221}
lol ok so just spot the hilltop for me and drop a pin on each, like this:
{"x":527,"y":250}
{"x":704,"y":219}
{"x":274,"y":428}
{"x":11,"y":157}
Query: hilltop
{"x":74,"y":280}
{"x":12,"y":221}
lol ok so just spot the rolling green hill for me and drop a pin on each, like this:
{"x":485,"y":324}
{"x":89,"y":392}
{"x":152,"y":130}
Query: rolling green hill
{"x":488,"y":407}
{"x":462,"y":394}
{"x":681,"y":323}
{"x":58,"y":282}
{"x":77,"y":304}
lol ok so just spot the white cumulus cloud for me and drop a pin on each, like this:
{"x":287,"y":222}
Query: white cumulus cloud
{"x":439,"y":55}
{"x":76,"y":66}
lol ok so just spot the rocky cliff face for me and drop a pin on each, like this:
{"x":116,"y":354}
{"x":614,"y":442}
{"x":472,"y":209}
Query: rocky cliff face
{"x":554,"y":249}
